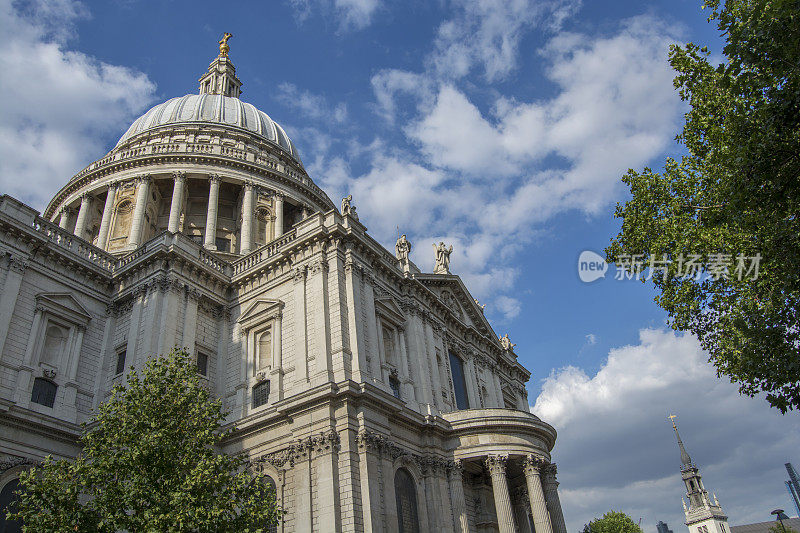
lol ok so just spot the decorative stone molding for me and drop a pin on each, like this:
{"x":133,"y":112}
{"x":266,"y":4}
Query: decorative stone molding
{"x":299,"y":274}
{"x":323,"y":443}
{"x":550,"y":472}
{"x":17,"y":265}
{"x":533,"y":464}
{"x":9,"y":462}
{"x":318,"y":266}
{"x":496,"y":464}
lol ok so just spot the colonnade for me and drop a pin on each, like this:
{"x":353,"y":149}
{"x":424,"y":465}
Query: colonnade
{"x":143,"y":184}
{"x":542,"y":491}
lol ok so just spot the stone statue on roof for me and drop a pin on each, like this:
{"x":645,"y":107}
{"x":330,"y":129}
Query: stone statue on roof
{"x":442,"y":258}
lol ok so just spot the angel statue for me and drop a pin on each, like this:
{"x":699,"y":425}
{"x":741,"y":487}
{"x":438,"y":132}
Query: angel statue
{"x":442,"y":258}
{"x":224,"y":48}
{"x":506,"y":343}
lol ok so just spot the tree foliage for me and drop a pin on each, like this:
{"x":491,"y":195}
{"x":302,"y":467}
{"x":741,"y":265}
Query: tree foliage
{"x":612,"y":522}
{"x":149,"y":463}
{"x":735,"y":191}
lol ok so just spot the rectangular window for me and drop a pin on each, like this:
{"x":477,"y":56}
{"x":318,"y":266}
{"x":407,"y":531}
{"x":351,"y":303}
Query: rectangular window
{"x":44,"y":392}
{"x":459,"y":384}
{"x":223,"y":244}
{"x":202,"y":364}
{"x":394,"y":383}
{"x":388,"y":344}
{"x":120,"y":361}
{"x":260,"y":394}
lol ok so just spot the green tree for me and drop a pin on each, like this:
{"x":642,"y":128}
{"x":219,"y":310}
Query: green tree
{"x":734,"y":192}
{"x":777,"y":529}
{"x":149,"y":463}
{"x":612,"y":522}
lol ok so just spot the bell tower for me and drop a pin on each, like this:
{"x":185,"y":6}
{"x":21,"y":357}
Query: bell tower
{"x":221,"y":76}
{"x":702,"y":515}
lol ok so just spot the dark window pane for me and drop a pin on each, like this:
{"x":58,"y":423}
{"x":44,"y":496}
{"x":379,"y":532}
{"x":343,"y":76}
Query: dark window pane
{"x":44,"y":392}
{"x":121,"y":361}
{"x":202,"y":364}
{"x":7,"y":500}
{"x":406,"y":497}
{"x":459,"y":384}
{"x":394,"y":383}
{"x":223,"y":244}
{"x":260,"y":394}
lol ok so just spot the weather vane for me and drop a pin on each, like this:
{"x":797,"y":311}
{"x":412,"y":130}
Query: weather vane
{"x":672,"y":417}
{"x":224,"y":48}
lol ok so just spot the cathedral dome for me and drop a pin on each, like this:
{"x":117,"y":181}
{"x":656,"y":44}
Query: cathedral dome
{"x":216,"y":109}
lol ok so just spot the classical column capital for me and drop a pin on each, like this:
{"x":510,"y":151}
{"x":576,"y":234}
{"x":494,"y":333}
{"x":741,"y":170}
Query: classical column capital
{"x":299,"y":274}
{"x":17,"y":265}
{"x":214,"y":178}
{"x":455,"y":469}
{"x":532,"y":464}
{"x":179,"y":176}
{"x":249,"y":185}
{"x":496,"y":464}
{"x":144,"y":178}
{"x":550,"y":472}
{"x":87,"y":196}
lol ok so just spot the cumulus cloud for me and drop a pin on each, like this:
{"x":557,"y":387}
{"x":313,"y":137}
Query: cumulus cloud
{"x":351,"y":14}
{"x":487,"y":34}
{"x":616,"y":449}
{"x":59,"y":106}
{"x":312,"y":106}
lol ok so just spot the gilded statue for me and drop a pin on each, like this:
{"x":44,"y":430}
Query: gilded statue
{"x":224,"y":48}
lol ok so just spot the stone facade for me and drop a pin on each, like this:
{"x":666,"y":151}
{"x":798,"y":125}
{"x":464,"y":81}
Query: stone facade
{"x":376,"y":396}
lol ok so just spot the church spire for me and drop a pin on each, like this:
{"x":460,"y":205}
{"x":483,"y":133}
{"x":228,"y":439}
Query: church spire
{"x":221,"y":76}
{"x":686,"y":461}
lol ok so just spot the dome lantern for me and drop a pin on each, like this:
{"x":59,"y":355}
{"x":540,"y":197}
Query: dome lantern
{"x":221,"y":76}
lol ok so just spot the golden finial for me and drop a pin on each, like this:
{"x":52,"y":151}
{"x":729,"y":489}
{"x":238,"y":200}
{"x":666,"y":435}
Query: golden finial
{"x":673,"y":417}
{"x":223,"y":45}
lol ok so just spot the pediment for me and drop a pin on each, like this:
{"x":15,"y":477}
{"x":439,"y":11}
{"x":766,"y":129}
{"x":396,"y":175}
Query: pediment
{"x":64,"y":305}
{"x":259,"y":311}
{"x":455,"y":296}
{"x":388,"y":308}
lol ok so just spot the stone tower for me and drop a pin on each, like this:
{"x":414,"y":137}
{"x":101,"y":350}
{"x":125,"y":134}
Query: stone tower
{"x":702,"y":515}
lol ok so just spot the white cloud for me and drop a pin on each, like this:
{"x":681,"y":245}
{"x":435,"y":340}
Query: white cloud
{"x":616,"y":449}
{"x":591,"y":339}
{"x":59,"y":107}
{"x":487,"y":33}
{"x":312,"y":106}
{"x":351,"y":14}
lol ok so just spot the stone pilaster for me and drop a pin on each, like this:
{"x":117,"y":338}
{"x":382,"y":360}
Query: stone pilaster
{"x":210,"y":239}
{"x":105,"y":222}
{"x":10,"y":291}
{"x":176,"y":206}
{"x":553,"y":502}
{"x":496,"y":464}
{"x":532,"y":466}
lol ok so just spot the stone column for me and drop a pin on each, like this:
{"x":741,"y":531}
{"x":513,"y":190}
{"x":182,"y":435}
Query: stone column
{"x":278,"y":215}
{"x":551,"y":497}
{"x":105,"y":222}
{"x":328,"y":513}
{"x":142,"y":195}
{"x":210,"y":240}
{"x":531,"y":465}
{"x":83,"y":215}
{"x":63,"y":221}
{"x":176,"y":206}
{"x":248,"y":205}
{"x":502,"y":501}
{"x":455,"y":478}
{"x":10,"y":292}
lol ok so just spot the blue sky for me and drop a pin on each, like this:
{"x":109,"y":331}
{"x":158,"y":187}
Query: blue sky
{"x":501,"y":127}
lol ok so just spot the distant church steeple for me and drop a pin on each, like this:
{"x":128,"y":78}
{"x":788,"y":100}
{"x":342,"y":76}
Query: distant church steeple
{"x":702,"y":515}
{"x":221,"y":76}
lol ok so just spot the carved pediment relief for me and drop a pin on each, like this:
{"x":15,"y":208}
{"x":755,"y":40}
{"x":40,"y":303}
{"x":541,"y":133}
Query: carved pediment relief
{"x":64,"y":305}
{"x":260,"y":311}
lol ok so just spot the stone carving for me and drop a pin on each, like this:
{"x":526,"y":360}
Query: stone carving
{"x":496,"y":464}
{"x":402,"y":248}
{"x":224,"y":47}
{"x":347,"y":207}
{"x":483,"y":307}
{"x":11,"y":461}
{"x":533,"y":464}
{"x":506,"y":343}
{"x":442,"y":258}
{"x":49,"y":373}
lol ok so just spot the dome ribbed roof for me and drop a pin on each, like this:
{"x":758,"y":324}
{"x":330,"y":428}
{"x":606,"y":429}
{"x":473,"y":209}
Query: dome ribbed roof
{"x":214,"y":108}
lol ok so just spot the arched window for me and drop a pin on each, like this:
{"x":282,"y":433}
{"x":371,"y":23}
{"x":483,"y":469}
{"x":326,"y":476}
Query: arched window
{"x":272,"y":487}
{"x":44,"y":392}
{"x":7,"y":499}
{"x":405,"y":491}
{"x":122,"y":219}
{"x":54,"y":342}
{"x":265,"y":350}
